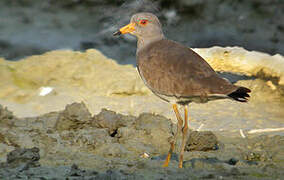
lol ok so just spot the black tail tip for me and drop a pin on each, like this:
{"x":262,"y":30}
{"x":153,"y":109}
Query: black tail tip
{"x":241,"y":94}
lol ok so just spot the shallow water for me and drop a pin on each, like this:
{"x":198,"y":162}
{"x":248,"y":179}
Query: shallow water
{"x":39,"y":27}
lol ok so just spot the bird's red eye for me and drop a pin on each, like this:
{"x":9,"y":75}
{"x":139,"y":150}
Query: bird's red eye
{"x":143,"y":21}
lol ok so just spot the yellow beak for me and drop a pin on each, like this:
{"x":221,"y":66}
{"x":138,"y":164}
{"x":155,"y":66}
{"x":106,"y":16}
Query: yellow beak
{"x":126,"y":29}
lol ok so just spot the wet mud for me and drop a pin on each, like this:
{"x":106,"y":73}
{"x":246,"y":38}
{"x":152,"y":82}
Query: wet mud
{"x":74,"y":144}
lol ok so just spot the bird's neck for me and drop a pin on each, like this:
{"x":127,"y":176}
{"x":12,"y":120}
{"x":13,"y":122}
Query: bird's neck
{"x":145,"y":41}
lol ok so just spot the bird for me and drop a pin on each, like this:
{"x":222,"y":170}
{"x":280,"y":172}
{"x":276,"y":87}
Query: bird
{"x":176,"y":74}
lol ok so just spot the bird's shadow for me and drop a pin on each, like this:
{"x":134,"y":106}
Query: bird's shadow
{"x":163,"y":157}
{"x":213,"y":160}
{"x":210,"y":160}
{"x":233,"y":77}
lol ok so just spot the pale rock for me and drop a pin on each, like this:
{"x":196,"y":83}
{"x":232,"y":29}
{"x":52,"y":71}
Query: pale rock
{"x":102,"y":83}
{"x":250,"y":63}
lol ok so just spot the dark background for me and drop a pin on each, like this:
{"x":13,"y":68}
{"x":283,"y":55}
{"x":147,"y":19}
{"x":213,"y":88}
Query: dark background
{"x":29,"y":27}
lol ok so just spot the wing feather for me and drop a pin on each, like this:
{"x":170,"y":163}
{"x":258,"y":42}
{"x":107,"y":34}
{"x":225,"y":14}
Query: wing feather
{"x":172,"y":69}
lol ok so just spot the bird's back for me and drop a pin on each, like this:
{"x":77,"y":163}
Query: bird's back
{"x":171,"y":69}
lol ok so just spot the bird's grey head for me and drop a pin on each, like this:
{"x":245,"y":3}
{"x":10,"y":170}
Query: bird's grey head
{"x":143,"y":25}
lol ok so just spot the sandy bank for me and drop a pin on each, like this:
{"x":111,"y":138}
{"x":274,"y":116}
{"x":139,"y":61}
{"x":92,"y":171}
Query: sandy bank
{"x":100,"y":82}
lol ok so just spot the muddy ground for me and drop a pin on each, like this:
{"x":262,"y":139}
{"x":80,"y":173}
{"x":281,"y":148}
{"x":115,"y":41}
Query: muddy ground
{"x":73,"y":144}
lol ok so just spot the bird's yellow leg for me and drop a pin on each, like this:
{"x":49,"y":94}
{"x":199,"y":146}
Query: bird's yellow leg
{"x":184,"y":137}
{"x":172,"y":144}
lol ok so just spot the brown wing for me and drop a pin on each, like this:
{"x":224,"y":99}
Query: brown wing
{"x":172,"y":69}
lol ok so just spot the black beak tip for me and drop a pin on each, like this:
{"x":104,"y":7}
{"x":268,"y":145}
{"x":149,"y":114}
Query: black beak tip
{"x":117,"y":33}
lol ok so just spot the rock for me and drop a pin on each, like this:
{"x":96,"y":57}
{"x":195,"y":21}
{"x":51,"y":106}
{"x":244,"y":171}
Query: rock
{"x":9,"y":139}
{"x":47,"y":121}
{"x":253,"y":156}
{"x":111,"y":120}
{"x":250,"y":63}
{"x":83,"y":71}
{"x":76,"y":172}
{"x":151,"y":131}
{"x":73,"y":117}
{"x":6,"y":117}
{"x":91,"y":139}
{"x":201,"y":141}
{"x":23,"y":157}
{"x":146,"y":134}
